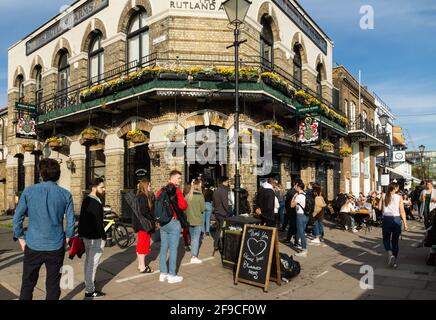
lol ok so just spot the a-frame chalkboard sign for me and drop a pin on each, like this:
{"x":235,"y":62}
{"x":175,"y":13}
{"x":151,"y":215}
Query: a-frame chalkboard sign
{"x":259,"y":259}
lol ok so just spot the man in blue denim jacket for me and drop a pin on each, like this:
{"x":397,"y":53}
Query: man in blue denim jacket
{"x":45,"y":240}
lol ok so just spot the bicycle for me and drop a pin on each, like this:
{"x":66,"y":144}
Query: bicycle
{"x":117,"y":231}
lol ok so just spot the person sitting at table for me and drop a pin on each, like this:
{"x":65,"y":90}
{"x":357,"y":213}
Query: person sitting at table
{"x":346,"y":215}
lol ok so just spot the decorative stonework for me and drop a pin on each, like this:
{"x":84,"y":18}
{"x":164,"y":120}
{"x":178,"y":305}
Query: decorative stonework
{"x":129,"y":11}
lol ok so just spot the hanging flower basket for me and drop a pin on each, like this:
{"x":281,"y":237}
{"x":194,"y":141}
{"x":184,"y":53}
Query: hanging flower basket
{"x":89,"y":134}
{"x":28,"y":147}
{"x":277,"y":130}
{"x":345,"y":152}
{"x":174,"y":135}
{"x":327,"y":146}
{"x":136,"y":136}
{"x":54,"y":142}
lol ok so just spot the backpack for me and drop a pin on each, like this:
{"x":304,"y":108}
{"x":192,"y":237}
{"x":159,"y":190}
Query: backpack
{"x":310,"y":205}
{"x":132,"y":201}
{"x":289,"y":268}
{"x":162,"y":208}
{"x":340,"y":200}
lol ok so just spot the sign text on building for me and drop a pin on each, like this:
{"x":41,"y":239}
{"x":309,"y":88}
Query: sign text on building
{"x":71,"y":20}
{"x":206,"y":5}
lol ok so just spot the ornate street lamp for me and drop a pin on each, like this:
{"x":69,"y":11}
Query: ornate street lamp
{"x":421,"y":152}
{"x":384,"y":118}
{"x":236,"y":11}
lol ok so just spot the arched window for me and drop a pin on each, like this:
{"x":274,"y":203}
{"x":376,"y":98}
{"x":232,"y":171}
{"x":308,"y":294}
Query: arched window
{"x":298,"y":65}
{"x":352,"y":113}
{"x":138,"y":38}
{"x":96,"y":59}
{"x":63,"y":72}
{"x":20,"y":85}
{"x":319,"y":79}
{"x":267,"y":42}
{"x":346,"y":108}
{"x":38,"y":79}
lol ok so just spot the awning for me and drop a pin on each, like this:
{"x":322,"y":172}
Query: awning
{"x":404,"y":175}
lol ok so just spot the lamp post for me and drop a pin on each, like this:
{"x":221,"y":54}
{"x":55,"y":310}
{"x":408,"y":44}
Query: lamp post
{"x":421,"y":152}
{"x":236,"y":11}
{"x":384,"y":118}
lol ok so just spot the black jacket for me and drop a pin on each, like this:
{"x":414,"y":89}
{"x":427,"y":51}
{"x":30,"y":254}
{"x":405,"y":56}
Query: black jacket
{"x":91,"y":219}
{"x":288,"y":198}
{"x":221,"y":202}
{"x":145,"y":210}
{"x":265,"y":201}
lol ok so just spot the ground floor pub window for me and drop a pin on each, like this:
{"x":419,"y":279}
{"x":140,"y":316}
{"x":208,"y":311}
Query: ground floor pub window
{"x":21,"y":173}
{"x":136,"y":165}
{"x":95,"y":163}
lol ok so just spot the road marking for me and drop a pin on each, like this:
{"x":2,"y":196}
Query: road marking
{"x":10,"y":288}
{"x":142,"y":275}
{"x":320,"y":275}
{"x":10,"y":259}
{"x":361,"y":254}
{"x":375,"y":247}
{"x":346,"y":261}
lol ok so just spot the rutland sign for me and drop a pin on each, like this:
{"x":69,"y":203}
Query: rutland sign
{"x":86,"y":10}
{"x":205,"y":5}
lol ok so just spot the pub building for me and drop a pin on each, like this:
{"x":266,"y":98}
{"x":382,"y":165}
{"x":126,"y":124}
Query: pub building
{"x":105,"y":86}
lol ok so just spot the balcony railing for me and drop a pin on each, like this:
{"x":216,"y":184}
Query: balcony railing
{"x":368,"y":127}
{"x":71,"y":95}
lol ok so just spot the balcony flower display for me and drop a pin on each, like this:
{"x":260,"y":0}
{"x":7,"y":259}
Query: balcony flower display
{"x":302,"y":97}
{"x":277,"y":130}
{"x":345,"y":152}
{"x":174,"y":135}
{"x":136,"y":136}
{"x":28,"y":147}
{"x":326,"y":145}
{"x":89,"y":134}
{"x":54,"y":142}
{"x":274,"y":80}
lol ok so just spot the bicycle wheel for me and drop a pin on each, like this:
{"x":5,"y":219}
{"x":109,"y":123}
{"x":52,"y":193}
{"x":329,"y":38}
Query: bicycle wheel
{"x":121,"y":236}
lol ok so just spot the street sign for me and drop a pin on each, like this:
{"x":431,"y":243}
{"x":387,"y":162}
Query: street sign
{"x":385,"y":180}
{"x":25,"y":107}
{"x":399,"y":156}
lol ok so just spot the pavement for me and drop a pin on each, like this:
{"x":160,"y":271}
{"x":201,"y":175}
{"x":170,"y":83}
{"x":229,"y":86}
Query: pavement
{"x":332,"y":270}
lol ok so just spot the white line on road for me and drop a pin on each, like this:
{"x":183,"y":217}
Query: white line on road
{"x":346,"y":261}
{"x":156,"y":272}
{"x":320,"y":275}
{"x":361,"y":254}
{"x":376,"y":246}
{"x":10,"y":288}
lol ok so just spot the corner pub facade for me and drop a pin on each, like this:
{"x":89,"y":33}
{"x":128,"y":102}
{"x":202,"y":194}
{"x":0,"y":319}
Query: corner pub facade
{"x":162,"y":67}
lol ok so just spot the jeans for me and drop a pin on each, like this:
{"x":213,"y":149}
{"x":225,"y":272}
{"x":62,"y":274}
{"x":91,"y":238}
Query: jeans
{"x":206,"y":217}
{"x":170,"y":238}
{"x":94,"y":250}
{"x":318,"y":228}
{"x":391,"y":234}
{"x":282,"y":212}
{"x":195,"y":232}
{"x":302,"y":221}
{"x":33,"y":260}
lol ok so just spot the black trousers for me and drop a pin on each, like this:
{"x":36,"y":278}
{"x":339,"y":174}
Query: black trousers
{"x":33,"y":260}
{"x":217,"y":243}
{"x":292,"y":220}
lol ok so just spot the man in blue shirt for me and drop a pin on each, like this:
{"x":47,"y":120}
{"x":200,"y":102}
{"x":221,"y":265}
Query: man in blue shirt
{"x":45,"y":240}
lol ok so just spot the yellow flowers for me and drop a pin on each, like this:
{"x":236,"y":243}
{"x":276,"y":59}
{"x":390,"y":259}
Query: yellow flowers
{"x":89,"y":131}
{"x":327,"y":145}
{"x":53,"y":139}
{"x":274,"y":126}
{"x":134,"y":133}
{"x":345,"y":152}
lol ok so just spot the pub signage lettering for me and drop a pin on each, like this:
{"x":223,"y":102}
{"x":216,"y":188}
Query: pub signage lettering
{"x":291,"y":11}
{"x":206,"y":5}
{"x":71,"y":20}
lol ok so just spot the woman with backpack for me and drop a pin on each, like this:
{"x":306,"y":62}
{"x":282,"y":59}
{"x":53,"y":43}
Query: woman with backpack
{"x":299,"y":203}
{"x":318,"y":214}
{"x":194,"y":213}
{"x":393,"y":213}
{"x":144,"y":225}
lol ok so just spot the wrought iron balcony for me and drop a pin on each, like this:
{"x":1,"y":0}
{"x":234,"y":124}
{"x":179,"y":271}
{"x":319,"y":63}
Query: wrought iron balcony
{"x":364,"y":130}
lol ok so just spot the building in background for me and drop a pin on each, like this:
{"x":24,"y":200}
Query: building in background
{"x":366,"y":138}
{"x":3,"y":157}
{"x":424,"y":166}
{"x":158,"y":69}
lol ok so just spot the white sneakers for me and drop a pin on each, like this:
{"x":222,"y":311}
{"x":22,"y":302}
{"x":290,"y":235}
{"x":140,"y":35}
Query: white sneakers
{"x":354,"y":230}
{"x":195,"y":260}
{"x":315,"y":241}
{"x":163,"y":277}
{"x":171,"y":279}
{"x":174,"y":279}
{"x":302,"y":254}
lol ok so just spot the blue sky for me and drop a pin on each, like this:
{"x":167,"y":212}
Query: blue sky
{"x":397,"y":57}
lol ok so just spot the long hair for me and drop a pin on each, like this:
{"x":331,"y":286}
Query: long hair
{"x":196,"y":186}
{"x":391,"y":189}
{"x":143,"y":189}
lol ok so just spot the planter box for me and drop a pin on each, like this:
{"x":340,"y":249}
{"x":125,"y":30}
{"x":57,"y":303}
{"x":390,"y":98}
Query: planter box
{"x":208,"y":77}
{"x":173,"y":76}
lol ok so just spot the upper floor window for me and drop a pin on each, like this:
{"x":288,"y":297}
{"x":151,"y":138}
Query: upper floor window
{"x":138,"y":38}
{"x":267,"y":42}
{"x":319,"y":79}
{"x":63,"y":71}
{"x":352,"y":112}
{"x":38,"y":79}
{"x":346,"y":108}
{"x":96,"y":59}
{"x":298,"y":65}
{"x":20,"y":85}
